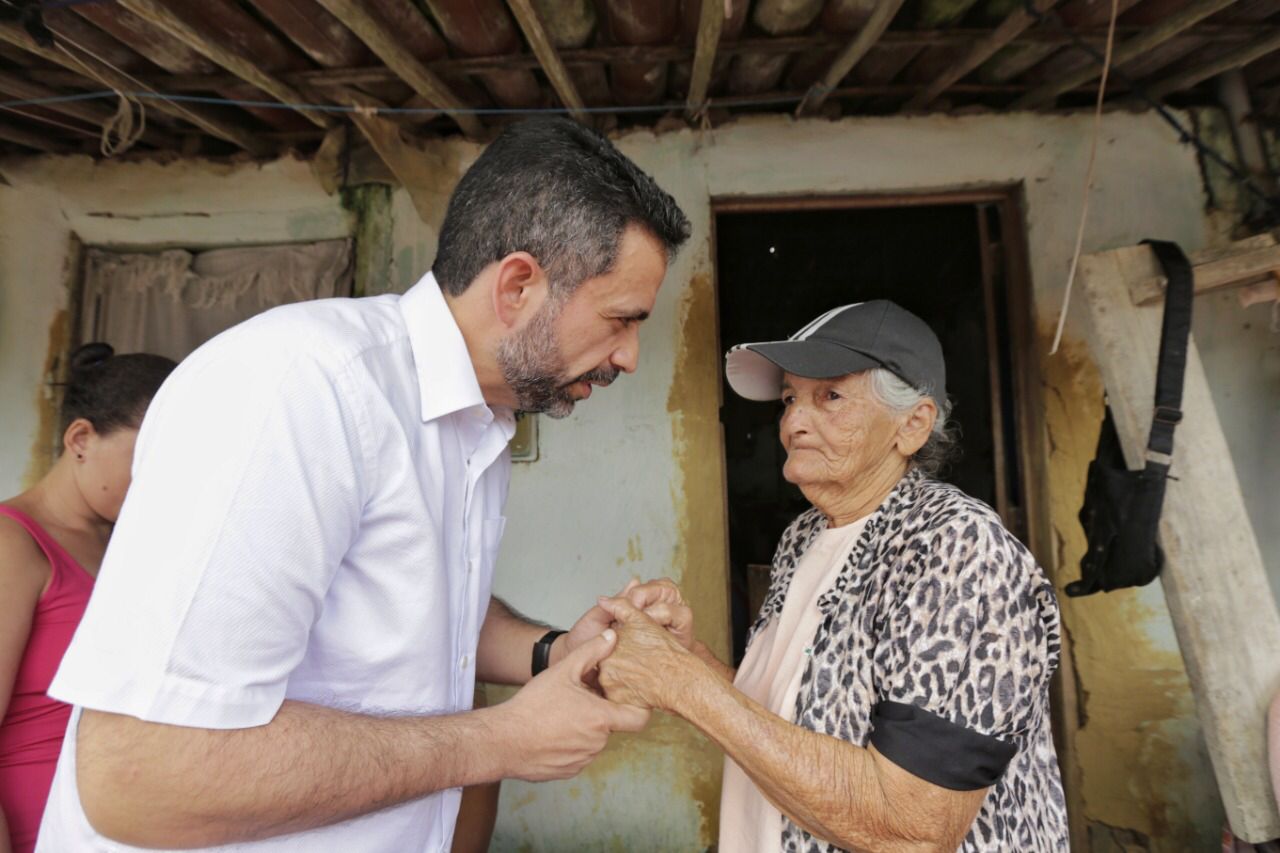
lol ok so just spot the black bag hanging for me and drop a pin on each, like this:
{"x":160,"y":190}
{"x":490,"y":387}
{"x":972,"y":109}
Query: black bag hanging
{"x":1121,"y":512}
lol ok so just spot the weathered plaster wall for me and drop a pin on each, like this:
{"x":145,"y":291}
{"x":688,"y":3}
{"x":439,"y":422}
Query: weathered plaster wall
{"x":632,"y":484}
{"x":48,"y":205}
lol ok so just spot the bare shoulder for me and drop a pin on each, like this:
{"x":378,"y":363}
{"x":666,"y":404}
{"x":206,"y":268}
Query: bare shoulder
{"x":24,"y":569}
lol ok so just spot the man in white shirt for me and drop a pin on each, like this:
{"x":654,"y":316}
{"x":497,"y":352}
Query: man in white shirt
{"x":295,"y":606}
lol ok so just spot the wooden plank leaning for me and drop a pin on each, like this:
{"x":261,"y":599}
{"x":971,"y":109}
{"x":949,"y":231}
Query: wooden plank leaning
{"x":1223,"y":611}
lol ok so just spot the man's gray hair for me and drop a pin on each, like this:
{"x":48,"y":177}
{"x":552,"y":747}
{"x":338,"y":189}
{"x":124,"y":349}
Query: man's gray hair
{"x":559,"y":191}
{"x":900,"y":397}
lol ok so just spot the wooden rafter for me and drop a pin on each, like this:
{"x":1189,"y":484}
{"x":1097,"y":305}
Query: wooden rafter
{"x":844,"y":62}
{"x":208,"y":46}
{"x":536,"y":34}
{"x":710,"y":25}
{"x":1246,"y":54}
{"x":789,"y":45}
{"x":95,"y":114}
{"x":28,"y":139}
{"x":404,"y":161}
{"x":407,"y":67}
{"x":236,"y":134}
{"x":1009,"y":29}
{"x":1130,"y":49}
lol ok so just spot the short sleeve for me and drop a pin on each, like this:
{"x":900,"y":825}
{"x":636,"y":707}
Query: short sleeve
{"x":971,"y":650}
{"x":247,"y":493}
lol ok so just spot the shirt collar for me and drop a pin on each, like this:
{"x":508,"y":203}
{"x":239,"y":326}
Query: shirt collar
{"x":446,"y":377}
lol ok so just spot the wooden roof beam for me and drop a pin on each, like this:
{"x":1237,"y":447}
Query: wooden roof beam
{"x":1010,"y":28}
{"x":373,"y":74}
{"x":28,"y":139}
{"x":407,"y":67}
{"x":853,"y":53}
{"x":1189,"y":77}
{"x":208,"y":46}
{"x":206,"y":121}
{"x":710,"y":25}
{"x":94,"y":114}
{"x":536,"y":34}
{"x":1131,"y":49}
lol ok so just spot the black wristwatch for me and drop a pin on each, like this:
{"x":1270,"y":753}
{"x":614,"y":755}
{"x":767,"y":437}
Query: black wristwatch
{"x":542,"y":651}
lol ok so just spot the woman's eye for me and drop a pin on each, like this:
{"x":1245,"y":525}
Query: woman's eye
{"x":788,"y":399}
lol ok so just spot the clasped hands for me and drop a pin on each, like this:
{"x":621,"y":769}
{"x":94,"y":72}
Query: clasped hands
{"x":627,"y":648}
{"x":655,"y":644}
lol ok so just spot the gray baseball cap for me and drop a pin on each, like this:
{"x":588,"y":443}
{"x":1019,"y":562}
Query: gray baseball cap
{"x":848,"y":339}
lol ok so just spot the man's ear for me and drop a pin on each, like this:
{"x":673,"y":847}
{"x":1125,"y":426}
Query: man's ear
{"x":76,"y":437}
{"x":917,"y":427}
{"x":519,"y":289}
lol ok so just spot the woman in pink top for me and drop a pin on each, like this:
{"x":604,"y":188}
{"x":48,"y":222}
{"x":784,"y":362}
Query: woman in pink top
{"x":52,"y":538}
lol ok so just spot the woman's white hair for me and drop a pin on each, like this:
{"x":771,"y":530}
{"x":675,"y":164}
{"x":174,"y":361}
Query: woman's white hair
{"x":899,"y":397}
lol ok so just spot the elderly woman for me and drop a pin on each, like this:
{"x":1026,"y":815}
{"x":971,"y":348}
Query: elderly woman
{"x":894,"y":693}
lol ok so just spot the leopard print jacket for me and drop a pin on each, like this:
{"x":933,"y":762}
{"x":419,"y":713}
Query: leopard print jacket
{"x":938,"y":606}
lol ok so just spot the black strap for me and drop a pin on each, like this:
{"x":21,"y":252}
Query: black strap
{"x":542,"y":652}
{"x":1175,"y":337}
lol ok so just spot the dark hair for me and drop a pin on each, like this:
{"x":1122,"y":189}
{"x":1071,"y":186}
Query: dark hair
{"x":111,"y":391}
{"x":559,"y":191}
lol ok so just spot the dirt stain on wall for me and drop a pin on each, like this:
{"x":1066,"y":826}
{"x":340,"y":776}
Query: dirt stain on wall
{"x":702,"y":526}
{"x":46,"y":402}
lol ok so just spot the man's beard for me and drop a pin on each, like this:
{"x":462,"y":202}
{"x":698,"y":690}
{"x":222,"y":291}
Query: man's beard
{"x":532,"y":366}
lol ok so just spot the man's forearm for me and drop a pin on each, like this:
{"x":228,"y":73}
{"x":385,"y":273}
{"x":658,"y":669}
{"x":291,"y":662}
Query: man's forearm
{"x":154,"y":785}
{"x":505,"y":650}
{"x":831,"y":788}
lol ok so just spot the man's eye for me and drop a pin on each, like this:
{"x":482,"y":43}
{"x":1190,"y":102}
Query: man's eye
{"x":833,"y":395}
{"x":788,"y":399}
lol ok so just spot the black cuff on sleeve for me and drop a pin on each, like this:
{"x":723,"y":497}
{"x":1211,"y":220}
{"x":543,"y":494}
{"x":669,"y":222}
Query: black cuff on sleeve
{"x":937,"y":750}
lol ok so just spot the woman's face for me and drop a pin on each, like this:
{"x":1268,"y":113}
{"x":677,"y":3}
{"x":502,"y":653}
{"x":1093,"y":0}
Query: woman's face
{"x":103,"y":466}
{"x":835,"y":430}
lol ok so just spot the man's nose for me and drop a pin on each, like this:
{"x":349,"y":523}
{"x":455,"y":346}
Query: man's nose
{"x":627,"y":356}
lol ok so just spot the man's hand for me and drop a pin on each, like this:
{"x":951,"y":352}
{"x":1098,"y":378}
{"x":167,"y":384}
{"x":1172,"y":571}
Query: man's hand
{"x":660,"y":599}
{"x":558,"y":723}
{"x":649,"y":665}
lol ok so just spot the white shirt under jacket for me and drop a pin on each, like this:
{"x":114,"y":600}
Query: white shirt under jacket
{"x":315,"y":513}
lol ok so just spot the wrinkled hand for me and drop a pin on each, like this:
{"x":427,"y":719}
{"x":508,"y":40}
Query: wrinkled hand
{"x":660,"y":599}
{"x":557,"y":724}
{"x":649,"y":665}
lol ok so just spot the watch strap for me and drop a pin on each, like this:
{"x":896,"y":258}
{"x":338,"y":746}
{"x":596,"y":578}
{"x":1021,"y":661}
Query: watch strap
{"x":542,"y":651}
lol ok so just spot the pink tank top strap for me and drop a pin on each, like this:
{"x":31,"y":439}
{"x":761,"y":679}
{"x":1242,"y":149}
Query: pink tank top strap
{"x":60,"y":561}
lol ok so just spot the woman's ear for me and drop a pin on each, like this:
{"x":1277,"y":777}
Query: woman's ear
{"x":76,"y":437}
{"x":915,"y":430}
{"x":519,"y":289}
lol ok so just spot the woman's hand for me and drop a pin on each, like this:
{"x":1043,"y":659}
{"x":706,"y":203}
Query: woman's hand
{"x":650,"y":666}
{"x":660,"y":599}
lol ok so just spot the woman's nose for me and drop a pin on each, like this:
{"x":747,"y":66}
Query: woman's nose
{"x":794,"y":420}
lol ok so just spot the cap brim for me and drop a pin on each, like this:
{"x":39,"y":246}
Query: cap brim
{"x":755,"y":371}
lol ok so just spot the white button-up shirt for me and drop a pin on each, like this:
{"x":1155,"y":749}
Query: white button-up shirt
{"x":315,"y":514}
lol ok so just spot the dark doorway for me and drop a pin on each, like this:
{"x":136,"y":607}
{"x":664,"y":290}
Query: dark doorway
{"x":778,"y":269}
